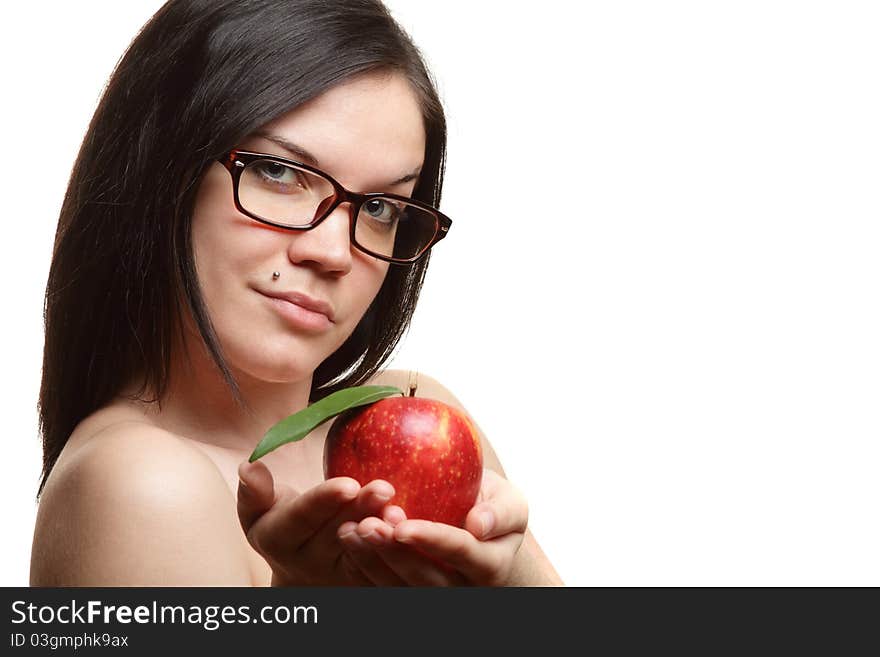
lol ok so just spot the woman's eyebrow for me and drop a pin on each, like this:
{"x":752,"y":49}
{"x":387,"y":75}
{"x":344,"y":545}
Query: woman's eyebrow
{"x":407,"y":178}
{"x":301,"y":154}
{"x":298,"y":152}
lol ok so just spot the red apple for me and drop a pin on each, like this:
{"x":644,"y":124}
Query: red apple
{"x":429,"y":451}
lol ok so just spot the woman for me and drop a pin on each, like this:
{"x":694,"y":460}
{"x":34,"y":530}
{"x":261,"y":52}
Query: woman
{"x":213,"y":274}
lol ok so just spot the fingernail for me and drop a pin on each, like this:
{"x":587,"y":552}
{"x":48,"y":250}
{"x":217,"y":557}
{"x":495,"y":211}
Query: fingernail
{"x":383,"y":491}
{"x":402,"y":538}
{"x":349,"y":489}
{"x":394,"y":515}
{"x":346,"y":530}
{"x":487,"y":522}
{"x":381,"y":497}
{"x":375,"y":538}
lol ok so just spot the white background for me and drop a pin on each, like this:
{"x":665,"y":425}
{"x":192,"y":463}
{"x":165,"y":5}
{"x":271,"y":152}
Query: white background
{"x":660,"y":295}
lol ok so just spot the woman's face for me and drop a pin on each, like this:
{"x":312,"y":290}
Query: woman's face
{"x":365,"y":133}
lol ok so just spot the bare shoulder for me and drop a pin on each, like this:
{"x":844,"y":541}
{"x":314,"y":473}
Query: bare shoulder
{"x":136,"y":505}
{"x":429,"y":387}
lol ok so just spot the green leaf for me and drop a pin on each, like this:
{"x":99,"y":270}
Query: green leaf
{"x":297,"y":426}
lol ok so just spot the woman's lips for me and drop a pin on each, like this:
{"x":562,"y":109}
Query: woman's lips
{"x":301,"y":311}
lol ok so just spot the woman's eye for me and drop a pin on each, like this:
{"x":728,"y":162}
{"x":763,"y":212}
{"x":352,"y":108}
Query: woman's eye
{"x":277,"y":173}
{"x":381,"y":210}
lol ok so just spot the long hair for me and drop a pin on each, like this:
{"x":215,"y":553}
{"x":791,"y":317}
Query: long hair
{"x":200,"y":76}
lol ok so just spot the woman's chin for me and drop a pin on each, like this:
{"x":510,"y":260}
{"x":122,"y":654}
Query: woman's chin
{"x":279,"y":366}
{"x":277,"y":373}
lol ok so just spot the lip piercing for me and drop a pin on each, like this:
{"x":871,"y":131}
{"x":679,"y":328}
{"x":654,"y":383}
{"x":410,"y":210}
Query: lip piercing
{"x":275,"y":275}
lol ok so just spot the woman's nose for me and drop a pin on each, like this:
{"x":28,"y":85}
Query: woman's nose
{"x":327,"y":245}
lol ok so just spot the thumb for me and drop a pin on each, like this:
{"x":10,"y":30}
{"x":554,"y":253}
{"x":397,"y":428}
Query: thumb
{"x":256,"y":492}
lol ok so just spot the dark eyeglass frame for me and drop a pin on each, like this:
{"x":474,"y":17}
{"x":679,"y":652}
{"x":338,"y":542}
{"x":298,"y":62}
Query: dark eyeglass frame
{"x":236,"y":161}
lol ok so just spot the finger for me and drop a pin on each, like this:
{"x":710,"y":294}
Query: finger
{"x":503,"y":510}
{"x":291,"y":522}
{"x":362,"y":552}
{"x":256,"y":493}
{"x":477,"y":560}
{"x":393,"y":515}
{"x":369,"y":502}
{"x":398,"y":564}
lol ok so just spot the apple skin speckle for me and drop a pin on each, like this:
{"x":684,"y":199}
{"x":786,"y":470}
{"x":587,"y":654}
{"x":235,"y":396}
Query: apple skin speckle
{"x":429,"y":451}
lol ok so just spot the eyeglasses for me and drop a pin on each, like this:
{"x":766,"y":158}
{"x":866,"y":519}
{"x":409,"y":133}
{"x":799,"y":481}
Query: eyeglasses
{"x":288,"y":194}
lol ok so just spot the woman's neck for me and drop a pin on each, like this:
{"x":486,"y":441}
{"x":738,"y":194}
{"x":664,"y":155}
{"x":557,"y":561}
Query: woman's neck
{"x":199,"y":404}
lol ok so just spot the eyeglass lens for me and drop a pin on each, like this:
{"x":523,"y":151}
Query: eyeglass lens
{"x":291,"y":196}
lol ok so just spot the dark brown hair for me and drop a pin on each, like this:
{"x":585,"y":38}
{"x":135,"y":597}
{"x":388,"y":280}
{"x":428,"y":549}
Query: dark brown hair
{"x":200,"y":77}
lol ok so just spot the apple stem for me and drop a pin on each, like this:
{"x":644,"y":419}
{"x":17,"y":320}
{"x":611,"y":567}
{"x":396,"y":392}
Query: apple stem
{"x":413,"y":382}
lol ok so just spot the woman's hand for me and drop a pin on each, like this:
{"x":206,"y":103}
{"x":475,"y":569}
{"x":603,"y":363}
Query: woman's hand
{"x":392,"y":550}
{"x":296,"y":533}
